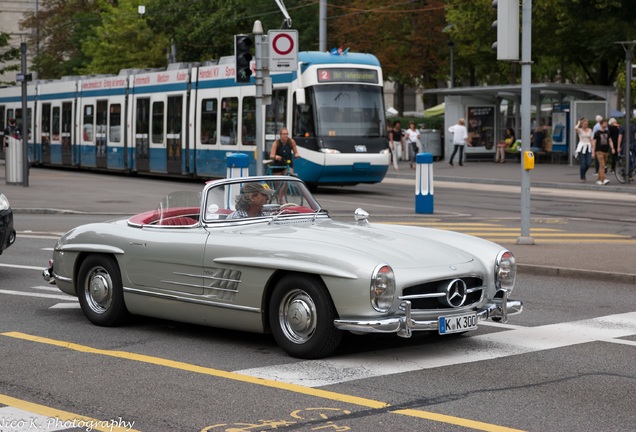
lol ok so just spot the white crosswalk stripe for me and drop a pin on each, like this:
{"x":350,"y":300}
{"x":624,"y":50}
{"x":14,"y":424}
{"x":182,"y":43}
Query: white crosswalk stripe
{"x":508,"y":342}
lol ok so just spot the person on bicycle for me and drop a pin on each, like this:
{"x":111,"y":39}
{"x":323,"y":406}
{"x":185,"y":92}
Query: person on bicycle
{"x":281,"y":153}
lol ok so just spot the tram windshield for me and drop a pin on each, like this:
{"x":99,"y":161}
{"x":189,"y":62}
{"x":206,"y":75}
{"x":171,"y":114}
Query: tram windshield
{"x":348,"y":110}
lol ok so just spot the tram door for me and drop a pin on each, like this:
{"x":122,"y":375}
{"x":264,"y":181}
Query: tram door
{"x":174,"y":134}
{"x":45,"y":133}
{"x":101,"y":124}
{"x":55,"y":141}
{"x":66,"y":133}
{"x":142,"y":134}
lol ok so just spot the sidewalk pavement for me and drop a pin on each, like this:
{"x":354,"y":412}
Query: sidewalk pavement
{"x":70,"y":191}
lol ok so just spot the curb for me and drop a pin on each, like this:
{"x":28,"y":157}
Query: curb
{"x":539,"y":270}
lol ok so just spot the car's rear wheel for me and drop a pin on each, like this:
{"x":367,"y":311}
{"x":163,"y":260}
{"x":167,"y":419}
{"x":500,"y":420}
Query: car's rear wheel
{"x":100,"y":291}
{"x":301,"y":316}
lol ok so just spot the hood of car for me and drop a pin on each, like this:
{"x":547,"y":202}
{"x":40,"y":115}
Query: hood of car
{"x":399,"y":246}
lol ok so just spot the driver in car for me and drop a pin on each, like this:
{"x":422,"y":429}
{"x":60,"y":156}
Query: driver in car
{"x":250,"y":202}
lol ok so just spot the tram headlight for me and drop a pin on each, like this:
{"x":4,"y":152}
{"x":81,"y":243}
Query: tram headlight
{"x":330,"y":151}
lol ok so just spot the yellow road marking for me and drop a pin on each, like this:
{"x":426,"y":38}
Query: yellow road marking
{"x":354,"y":400}
{"x":63,"y":416}
{"x":502,"y":234}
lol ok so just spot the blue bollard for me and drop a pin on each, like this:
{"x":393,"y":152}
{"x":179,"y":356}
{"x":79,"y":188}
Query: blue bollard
{"x":238,"y":165}
{"x":424,"y":199}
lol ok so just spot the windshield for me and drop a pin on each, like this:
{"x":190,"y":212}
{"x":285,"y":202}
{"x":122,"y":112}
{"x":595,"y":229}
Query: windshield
{"x":259,"y":197}
{"x":349,"y":110}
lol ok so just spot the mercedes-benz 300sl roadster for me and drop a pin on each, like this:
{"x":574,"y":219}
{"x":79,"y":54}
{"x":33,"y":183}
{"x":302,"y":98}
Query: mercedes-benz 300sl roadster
{"x":259,"y":254}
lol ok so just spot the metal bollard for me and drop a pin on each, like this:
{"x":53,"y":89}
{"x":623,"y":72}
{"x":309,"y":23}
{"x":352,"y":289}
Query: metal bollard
{"x":424,"y":199}
{"x":238,"y":165}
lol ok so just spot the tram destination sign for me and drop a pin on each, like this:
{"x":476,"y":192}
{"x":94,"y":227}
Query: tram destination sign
{"x":348,"y":75}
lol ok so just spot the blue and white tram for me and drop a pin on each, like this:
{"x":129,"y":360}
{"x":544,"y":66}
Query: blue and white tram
{"x":185,"y":120}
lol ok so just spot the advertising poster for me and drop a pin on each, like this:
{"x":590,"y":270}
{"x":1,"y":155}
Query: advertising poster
{"x":481,"y":127}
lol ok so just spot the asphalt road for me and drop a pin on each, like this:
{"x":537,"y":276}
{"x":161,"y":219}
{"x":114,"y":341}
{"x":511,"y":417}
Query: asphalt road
{"x":564,"y":364}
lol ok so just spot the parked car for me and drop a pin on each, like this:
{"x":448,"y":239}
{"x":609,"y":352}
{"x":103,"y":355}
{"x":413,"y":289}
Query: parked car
{"x":7,"y":233}
{"x":259,"y":254}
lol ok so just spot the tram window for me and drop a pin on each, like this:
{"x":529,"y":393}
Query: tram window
{"x":55,"y":127}
{"x":229,"y":120}
{"x":276,"y":112}
{"x":2,"y":120}
{"x":114,"y":128}
{"x":141,"y":128}
{"x":209,"y":113}
{"x":157,"y":122}
{"x":18,"y":118}
{"x":89,"y":116}
{"x":45,"y":123}
{"x":303,"y":120}
{"x":248,"y":121}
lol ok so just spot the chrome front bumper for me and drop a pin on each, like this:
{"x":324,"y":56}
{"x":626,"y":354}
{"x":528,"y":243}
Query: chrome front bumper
{"x":498,"y":310}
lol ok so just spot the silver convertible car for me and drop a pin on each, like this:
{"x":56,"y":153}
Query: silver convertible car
{"x":259,"y":254}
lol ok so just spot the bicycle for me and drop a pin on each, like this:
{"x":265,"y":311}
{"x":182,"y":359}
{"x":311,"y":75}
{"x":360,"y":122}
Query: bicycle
{"x":626,"y":175}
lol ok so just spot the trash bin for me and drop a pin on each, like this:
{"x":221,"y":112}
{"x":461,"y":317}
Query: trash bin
{"x":431,"y":140}
{"x":13,"y":161}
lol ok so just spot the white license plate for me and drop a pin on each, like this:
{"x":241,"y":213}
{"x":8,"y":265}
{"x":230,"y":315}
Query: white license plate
{"x":457,"y":323}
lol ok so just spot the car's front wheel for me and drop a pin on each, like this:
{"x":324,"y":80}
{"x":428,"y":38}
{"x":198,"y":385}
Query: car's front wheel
{"x":100,"y":291}
{"x":301,"y":316}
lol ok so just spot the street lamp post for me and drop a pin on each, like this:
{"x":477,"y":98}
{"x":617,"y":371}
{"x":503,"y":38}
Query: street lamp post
{"x":628,"y":46}
{"x":451,"y":45}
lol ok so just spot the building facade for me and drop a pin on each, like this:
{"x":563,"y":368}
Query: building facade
{"x":11,"y":13}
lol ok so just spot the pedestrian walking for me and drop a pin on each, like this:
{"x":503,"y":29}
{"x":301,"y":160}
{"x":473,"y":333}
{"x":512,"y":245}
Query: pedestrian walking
{"x":396,"y":140}
{"x":601,"y":146}
{"x":460,"y":139}
{"x":584,"y":147}
{"x":412,"y":136}
{"x":614,"y":133}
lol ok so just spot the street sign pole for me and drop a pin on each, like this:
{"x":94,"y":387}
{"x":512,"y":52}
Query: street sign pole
{"x":260,"y":130}
{"x":25,"y":118}
{"x":628,"y":46}
{"x":526,"y":95}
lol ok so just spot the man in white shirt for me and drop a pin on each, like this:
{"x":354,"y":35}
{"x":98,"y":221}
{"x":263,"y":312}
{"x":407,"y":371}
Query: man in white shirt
{"x":460,"y":139}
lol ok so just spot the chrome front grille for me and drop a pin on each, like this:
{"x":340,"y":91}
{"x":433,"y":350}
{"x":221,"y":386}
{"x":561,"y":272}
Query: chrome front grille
{"x":445,"y":294}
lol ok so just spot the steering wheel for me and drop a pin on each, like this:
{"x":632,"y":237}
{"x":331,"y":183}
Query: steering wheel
{"x":287,"y":205}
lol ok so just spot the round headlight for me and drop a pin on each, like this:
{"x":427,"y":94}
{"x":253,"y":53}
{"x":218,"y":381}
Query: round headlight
{"x":382,"y":288}
{"x":505,"y":270}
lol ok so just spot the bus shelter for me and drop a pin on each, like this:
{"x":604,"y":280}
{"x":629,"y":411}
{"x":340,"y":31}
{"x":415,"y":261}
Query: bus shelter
{"x":489,"y":111}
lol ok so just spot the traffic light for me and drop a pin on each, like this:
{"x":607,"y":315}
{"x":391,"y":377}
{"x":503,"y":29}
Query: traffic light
{"x":507,"y":25}
{"x":243,"y":57}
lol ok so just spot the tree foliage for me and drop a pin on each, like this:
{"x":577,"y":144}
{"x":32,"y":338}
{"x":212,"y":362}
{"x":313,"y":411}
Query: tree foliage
{"x":572,"y":40}
{"x":123,"y":40}
{"x":7,"y":54}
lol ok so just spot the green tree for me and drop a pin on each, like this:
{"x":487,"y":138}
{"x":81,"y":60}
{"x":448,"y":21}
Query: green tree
{"x":123,"y":40}
{"x":8,"y":54}
{"x":407,"y":37}
{"x":204,"y":29}
{"x":57,"y":35}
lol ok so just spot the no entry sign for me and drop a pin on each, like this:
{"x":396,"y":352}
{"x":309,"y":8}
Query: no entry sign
{"x":283,"y":50}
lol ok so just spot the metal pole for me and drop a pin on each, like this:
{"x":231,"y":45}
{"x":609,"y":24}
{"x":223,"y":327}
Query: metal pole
{"x":25,"y":118}
{"x":322,"y":26}
{"x":451,"y":44}
{"x":627,"y":46}
{"x":258,"y":53}
{"x":526,"y":97}
{"x":628,"y":108}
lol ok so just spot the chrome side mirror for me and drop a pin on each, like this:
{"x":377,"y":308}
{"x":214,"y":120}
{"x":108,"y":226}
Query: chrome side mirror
{"x":361,"y":216}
